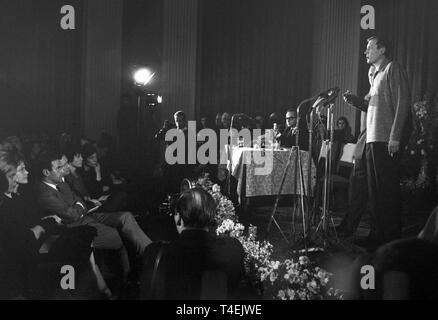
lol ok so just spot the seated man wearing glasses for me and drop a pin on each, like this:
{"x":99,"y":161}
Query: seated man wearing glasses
{"x":288,"y":138}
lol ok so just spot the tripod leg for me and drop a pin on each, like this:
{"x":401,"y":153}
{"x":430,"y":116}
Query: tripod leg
{"x":279,"y":193}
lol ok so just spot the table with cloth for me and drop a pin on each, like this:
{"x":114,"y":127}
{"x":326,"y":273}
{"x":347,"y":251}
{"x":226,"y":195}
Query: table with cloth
{"x":246,"y":167}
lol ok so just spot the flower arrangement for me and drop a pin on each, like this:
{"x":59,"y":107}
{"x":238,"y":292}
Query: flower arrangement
{"x":297,"y":280}
{"x":419,"y":162}
{"x":287,"y":280}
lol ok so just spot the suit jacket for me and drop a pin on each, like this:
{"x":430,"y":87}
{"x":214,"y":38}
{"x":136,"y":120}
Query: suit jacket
{"x":77,"y":184}
{"x":288,"y":138}
{"x":62,"y":203}
{"x":186,"y":259}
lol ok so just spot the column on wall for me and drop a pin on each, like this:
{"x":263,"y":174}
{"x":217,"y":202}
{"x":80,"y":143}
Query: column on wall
{"x":102,"y":59}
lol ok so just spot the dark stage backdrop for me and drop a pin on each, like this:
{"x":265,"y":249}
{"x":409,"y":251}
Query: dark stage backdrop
{"x":412,"y":28}
{"x":254,"y":55}
{"x":40,"y":67}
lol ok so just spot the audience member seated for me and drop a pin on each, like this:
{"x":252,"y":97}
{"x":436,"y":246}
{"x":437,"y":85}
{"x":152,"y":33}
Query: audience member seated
{"x":22,"y":233}
{"x":226,"y":121}
{"x":176,"y":270}
{"x":204,"y":123}
{"x":106,"y":203}
{"x":287,"y":139}
{"x":343,"y":133}
{"x":57,"y":199}
{"x":106,"y":153}
{"x":15,"y":142}
{"x":100,"y":183}
{"x":260,"y":122}
{"x":218,"y":122}
{"x":276,"y":118}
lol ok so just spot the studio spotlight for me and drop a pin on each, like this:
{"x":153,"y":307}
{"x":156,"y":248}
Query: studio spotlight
{"x":152,"y":99}
{"x":143,"y":76}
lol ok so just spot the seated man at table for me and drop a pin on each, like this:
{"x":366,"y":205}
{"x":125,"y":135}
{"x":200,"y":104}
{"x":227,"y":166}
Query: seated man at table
{"x":288,"y":138}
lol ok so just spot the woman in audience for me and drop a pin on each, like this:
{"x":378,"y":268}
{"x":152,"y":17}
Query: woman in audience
{"x":178,"y":270}
{"x":74,"y":179}
{"x":343,"y":133}
{"x":100,"y":183}
{"x":22,"y":233}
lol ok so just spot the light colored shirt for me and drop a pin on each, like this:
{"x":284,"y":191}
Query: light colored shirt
{"x":389,"y":104}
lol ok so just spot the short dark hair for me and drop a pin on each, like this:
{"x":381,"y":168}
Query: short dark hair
{"x":343,"y":119}
{"x":383,"y":42}
{"x":88,"y":150}
{"x":46,"y":159}
{"x":291,"y":110}
{"x":197,"y":208}
{"x":71,"y":151}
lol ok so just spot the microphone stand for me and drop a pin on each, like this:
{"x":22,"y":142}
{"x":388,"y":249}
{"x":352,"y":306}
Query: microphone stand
{"x":272,"y":218}
{"x":230,"y":156}
{"x":326,"y":217}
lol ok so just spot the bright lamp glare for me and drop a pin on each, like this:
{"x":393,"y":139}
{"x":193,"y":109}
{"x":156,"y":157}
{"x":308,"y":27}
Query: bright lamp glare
{"x":159,"y":99}
{"x":143,"y":76}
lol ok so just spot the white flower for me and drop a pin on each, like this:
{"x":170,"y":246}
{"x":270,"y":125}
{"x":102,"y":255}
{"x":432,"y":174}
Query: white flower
{"x":281,"y":295}
{"x":303,"y":260}
{"x":216,"y":188}
{"x":273,"y":277}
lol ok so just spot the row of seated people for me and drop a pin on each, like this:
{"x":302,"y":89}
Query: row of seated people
{"x":286,"y":138}
{"x":59,"y":206}
{"x":53,"y":200}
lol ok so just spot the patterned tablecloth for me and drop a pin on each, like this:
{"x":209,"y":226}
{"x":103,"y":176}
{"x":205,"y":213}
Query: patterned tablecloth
{"x":252,"y":169}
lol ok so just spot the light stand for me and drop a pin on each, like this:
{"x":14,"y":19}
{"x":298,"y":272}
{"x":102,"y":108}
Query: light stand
{"x":141,"y":77}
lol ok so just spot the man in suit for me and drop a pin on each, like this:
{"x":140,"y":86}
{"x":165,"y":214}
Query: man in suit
{"x":288,"y":138}
{"x":57,"y":199}
{"x":177,"y":269}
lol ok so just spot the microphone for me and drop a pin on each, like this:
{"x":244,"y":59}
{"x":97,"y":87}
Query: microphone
{"x":327,"y":97}
{"x":330,"y":93}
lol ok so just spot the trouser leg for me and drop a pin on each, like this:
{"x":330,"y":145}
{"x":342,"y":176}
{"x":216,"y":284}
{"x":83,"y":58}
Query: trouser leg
{"x":128,"y":227}
{"x":108,"y":238}
{"x":358,"y":196}
{"x":384,"y":192}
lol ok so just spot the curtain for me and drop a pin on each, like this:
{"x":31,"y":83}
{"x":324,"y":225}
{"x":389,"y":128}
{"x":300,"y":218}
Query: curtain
{"x":40,"y":68}
{"x":255,"y":56}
